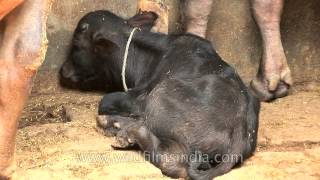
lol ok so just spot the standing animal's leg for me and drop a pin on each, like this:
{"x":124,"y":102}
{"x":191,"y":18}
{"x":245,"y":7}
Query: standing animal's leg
{"x":7,"y":6}
{"x":166,"y":154}
{"x":197,"y":15}
{"x":196,"y":12}
{"x":274,"y":78}
{"x":22,"y":50}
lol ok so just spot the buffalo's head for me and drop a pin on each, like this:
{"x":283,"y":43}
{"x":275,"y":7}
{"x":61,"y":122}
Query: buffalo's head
{"x":96,"y":50}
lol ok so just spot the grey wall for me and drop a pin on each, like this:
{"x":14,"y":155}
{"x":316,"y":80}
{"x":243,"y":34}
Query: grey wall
{"x":231,"y":29}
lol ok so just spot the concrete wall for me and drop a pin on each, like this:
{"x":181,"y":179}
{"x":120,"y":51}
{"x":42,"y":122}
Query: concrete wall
{"x":232,"y":31}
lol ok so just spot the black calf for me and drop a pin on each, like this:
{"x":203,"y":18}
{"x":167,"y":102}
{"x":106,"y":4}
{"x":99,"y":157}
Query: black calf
{"x":186,"y":108}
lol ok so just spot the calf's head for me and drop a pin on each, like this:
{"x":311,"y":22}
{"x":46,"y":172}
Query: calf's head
{"x":97,"y":48}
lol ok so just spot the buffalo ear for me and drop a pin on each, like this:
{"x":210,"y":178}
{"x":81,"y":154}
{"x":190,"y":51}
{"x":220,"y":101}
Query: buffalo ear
{"x":102,"y":43}
{"x":144,"y":20}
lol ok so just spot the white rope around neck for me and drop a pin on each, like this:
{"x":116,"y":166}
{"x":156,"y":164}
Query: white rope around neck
{"x":124,"y":65}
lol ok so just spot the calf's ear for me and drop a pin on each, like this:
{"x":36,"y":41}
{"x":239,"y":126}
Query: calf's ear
{"x":103,"y":43}
{"x":144,"y":20}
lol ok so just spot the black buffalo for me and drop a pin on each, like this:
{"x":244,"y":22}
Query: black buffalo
{"x":187,"y":109}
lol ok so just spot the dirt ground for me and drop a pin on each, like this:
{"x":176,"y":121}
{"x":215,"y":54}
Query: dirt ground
{"x":57,"y":139}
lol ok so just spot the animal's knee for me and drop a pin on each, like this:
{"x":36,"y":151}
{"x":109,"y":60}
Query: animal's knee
{"x":30,"y":57}
{"x":24,"y":41}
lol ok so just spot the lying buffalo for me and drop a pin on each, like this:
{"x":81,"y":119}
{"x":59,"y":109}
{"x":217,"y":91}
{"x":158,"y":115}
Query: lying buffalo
{"x":187,"y":109}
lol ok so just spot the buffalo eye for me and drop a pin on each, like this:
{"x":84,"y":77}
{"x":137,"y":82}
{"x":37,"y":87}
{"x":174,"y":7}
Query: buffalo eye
{"x":84,"y":27}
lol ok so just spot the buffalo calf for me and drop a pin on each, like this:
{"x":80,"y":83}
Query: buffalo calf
{"x":187,"y":109}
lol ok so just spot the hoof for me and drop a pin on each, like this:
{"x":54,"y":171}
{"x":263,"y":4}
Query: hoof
{"x":261,"y":91}
{"x":105,"y":126}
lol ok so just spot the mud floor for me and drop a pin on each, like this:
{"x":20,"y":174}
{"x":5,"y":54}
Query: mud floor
{"x":57,"y":139}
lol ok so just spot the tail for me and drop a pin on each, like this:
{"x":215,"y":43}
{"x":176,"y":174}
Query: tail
{"x":224,"y":162}
{"x":196,"y":172}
